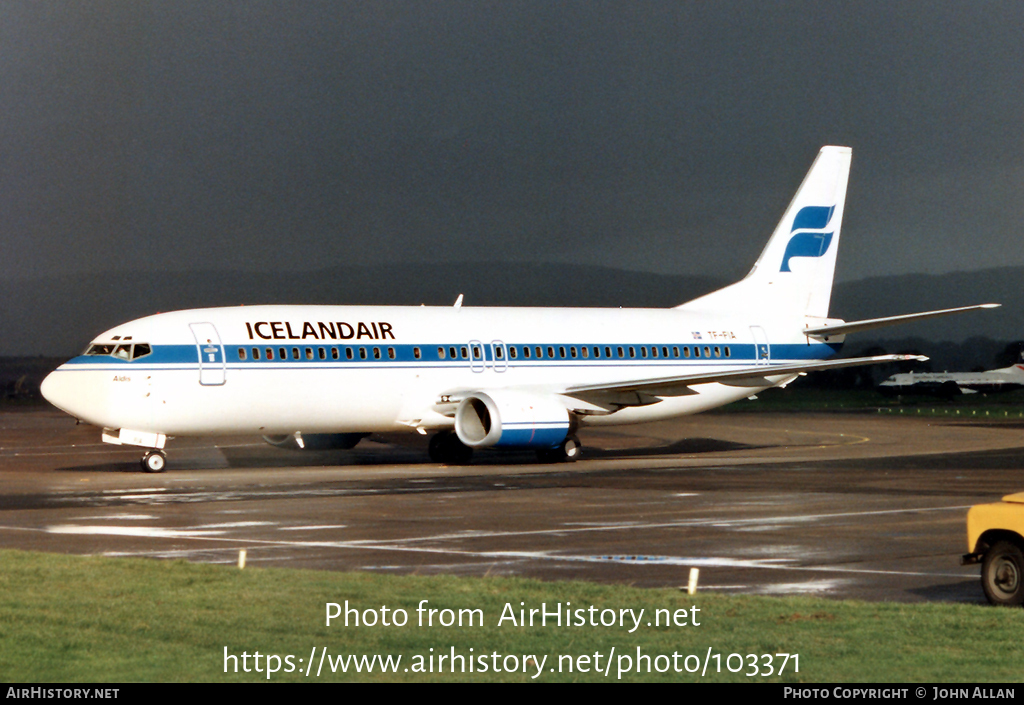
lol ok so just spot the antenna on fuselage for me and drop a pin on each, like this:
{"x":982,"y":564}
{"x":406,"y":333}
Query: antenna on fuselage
{"x":458,"y":302}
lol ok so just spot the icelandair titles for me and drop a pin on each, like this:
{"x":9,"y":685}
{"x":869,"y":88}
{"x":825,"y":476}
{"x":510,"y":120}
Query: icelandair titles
{"x":334,"y":330}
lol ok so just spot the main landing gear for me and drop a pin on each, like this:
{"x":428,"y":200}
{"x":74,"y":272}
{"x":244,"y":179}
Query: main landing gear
{"x":568,"y":451}
{"x":154,"y":461}
{"x":446,"y":448}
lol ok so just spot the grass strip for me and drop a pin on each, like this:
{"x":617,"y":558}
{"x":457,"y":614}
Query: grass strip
{"x":86,"y":618}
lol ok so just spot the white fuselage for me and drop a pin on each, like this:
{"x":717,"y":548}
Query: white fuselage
{"x":352,"y":369}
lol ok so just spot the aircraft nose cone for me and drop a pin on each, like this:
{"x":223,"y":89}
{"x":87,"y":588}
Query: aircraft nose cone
{"x":55,"y":389}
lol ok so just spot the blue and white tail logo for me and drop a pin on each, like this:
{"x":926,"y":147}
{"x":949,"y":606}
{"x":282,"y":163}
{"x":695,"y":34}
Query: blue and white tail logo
{"x":810,"y":239}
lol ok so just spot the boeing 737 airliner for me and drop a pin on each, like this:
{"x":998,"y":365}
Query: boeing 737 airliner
{"x":326,"y":376}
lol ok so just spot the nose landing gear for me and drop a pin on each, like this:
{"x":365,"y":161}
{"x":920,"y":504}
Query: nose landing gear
{"x":154,"y":461}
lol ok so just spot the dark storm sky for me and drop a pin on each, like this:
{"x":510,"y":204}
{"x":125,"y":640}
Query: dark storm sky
{"x":654,"y":136}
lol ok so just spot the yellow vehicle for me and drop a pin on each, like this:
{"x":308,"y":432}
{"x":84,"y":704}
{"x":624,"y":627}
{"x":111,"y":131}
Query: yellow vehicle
{"x":995,"y":538}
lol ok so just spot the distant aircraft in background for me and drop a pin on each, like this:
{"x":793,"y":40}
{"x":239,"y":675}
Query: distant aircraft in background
{"x":473,"y":378}
{"x":949,"y":384}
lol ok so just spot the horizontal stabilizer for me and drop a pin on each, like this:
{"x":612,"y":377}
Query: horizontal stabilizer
{"x":757,"y":376}
{"x":868,"y":324}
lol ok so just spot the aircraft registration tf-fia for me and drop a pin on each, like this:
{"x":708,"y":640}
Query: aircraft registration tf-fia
{"x":327,"y":376}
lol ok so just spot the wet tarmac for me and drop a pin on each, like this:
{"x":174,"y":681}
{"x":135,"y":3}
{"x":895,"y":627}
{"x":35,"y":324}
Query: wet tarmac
{"x":838,"y":505}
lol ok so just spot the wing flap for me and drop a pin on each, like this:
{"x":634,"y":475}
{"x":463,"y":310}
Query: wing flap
{"x":758,"y":376}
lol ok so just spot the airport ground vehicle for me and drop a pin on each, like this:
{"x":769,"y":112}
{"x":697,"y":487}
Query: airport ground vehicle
{"x":995,"y":538}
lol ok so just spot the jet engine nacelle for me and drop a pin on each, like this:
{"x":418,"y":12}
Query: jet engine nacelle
{"x":507,"y":418}
{"x":316,"y":441}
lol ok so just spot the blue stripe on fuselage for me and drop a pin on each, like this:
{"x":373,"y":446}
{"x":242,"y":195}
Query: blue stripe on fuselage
{"x":739,"y":354}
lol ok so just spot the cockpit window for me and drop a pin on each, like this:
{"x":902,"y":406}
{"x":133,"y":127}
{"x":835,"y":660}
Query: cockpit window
{"x":121,"y":352}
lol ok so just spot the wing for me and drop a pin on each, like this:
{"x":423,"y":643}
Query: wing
{"x":641,"y":392}
{"x":648,"y":391}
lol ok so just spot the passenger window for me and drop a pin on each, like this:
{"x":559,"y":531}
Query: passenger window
{"x":607,"y":352}
{"x":309,"y":353}
{"x":270,"y":353}
{"x":551,"y":352}
{"x":282,"y":354}
{"x":452,"y":353}
{"x":675,"y":351}
{"x":526,"y":351}
{"x":497,"y":353}
{"x":539,"y":350}
{"x":348,"y":354}
{"x":620,"y":352}
{"x":241,"y":353}
{"x":586,"y":351}
{"x":464,"y":351}
{"x":255,"y":353}
{"x":440,"y":353}
{"x":376,"y":353}
{"x":728,"y":353}
{"x":643,"y":351}
{"x":321,"y":353}
{"x":686,"y":351}
{"x":597,"y":351}
{"x":718,"y":351}
{"x":476,"y":352}
{"x":572,"y":351}
{"x":334,"y":353}
{"x":664,"y":351}
{"x":391,"y":353}
{"x":416,"y":353}
{"x":512,"y":352}
{"x":632,"y":351}
{"x":362,"y":353}
{"x":696,"y":351}
{"x":707,"y":351}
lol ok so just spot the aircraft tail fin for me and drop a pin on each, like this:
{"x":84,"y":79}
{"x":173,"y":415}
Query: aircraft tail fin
{"x":795,"y":270}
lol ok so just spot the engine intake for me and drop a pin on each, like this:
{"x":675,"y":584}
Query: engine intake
{"x":511,"y":419}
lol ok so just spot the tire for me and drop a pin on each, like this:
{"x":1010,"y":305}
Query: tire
{"x":435,"y":449}
{"x":569,"y":451}
{"x":446,"y":448}
{"x":154,"y":461}
{"x":1002,"y":574}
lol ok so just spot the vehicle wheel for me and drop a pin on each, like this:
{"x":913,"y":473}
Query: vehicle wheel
{"x":446,"y":448}
{"x":461,"y":454}
{"x":154,"y":461}
{"x":434,"y":449}
{"x":1002,"y":574}
{"x":569,"y":451}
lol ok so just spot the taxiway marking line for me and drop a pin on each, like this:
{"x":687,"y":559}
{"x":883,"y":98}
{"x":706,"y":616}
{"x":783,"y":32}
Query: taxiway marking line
{"x":396,"y":545}
{"x":541,"y":556}
{"x":724,"y":523}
